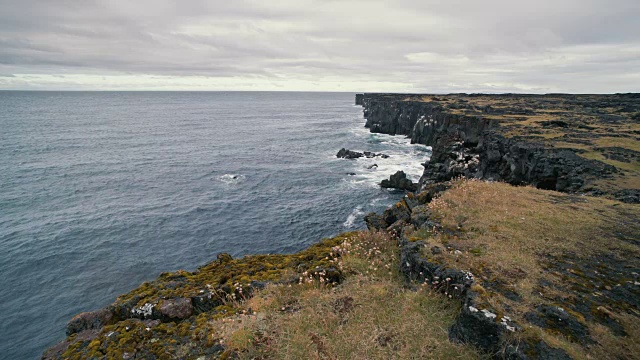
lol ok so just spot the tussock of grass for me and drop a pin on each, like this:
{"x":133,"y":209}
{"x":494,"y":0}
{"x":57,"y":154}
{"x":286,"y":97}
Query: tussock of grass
{"x":369,"y":316}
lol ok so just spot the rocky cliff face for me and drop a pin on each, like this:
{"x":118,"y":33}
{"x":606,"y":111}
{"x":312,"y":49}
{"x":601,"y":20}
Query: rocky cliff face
{"x":482,"y":144}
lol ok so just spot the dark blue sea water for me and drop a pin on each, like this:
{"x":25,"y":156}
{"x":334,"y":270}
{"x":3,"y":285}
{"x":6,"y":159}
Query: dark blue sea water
{"x":100,"y":191}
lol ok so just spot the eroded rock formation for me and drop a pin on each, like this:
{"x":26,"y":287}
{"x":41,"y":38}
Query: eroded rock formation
{"x":515,"y":140}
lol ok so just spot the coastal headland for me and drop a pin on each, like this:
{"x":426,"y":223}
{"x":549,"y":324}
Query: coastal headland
{"x":520,"y":241}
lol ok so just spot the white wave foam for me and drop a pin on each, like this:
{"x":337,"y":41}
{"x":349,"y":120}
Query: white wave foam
{"x":351,"y":219}
{"x":402,"y":156}
{"x":231,"y":178}
{"x":408,"y":159}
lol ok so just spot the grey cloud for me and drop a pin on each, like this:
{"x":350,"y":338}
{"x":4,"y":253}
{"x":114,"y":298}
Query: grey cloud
{"x":493,"y":45}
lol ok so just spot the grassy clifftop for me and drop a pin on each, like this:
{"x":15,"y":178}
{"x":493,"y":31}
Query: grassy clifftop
{"x":464,"y":269}
{"x":563,"y":269}
{"x":597,"y":127}
{"x":361,"y":310}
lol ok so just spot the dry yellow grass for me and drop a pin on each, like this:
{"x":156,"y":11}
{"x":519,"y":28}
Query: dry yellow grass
{"x":370,"y":316}
{"x":623,"y":142}
{"x":514,"y":224}
{"x":506,"y":236}
{"x":628,"y":166}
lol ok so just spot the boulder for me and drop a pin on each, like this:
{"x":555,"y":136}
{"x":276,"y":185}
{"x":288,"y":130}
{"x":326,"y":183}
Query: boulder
{"x":370,"y":155}
{"x":224,"y":257}
{"x":348,"y":154}
{"x":178,"y":308}
{"x":375,"y":221}
{"x":89,"y":320}
{"x":399,"y":211}
{"x":420,"y":215}
{"x":396,"y":228}
{"x":399,"y":181}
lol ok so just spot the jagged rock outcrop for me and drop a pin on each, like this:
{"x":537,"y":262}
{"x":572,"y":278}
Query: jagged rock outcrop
{"x":477,"y":323}
{"x":350,"y":154}
{"x":399,"y":181}
{"x":409,"y":209}
{"x":476,"y":145}
{"x":524,"y":151}
{"x":180,"y":299}
{"x":512,"y":161}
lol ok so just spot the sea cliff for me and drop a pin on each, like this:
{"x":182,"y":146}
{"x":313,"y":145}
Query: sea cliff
{"x":572,"y":143}
{"x":547,"y":269}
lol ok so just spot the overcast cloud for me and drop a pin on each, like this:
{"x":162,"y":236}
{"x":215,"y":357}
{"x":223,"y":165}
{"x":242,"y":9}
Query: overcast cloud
{"x":404,"y":46}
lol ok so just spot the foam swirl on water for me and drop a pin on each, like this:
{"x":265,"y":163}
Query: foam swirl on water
{"x":351,"y":219}
{"x":403,"y":156}
{"x":231,"y":178}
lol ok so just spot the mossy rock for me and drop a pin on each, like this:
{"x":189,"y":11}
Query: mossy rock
{"x":170,"y":315}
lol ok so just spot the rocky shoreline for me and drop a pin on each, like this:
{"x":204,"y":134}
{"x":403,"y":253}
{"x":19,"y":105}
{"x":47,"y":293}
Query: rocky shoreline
{"x":471,"y":138}
{"x":477,"y":144}
{"x":478,"y":323}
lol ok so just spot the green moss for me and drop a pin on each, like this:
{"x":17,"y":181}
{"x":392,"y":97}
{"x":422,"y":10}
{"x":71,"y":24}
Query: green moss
{"x":229,"y":273}
{"x":193,"y":335}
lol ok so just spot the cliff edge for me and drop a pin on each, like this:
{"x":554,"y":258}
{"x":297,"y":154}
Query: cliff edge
{"x":548,"y":269}
{"x":572,"y":143}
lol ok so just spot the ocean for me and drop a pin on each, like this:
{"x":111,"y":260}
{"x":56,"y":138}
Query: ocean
{"x":101,"y":191}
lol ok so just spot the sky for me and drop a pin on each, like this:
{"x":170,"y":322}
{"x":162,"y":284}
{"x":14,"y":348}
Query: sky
{"x":541,"y":46}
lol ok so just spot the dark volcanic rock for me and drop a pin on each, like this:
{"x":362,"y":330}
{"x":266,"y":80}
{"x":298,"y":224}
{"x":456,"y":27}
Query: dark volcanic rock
{"x":512,"y":161}
{"x":89,"y":320}
{"x":398,"y":212}
{"x":476,"y":325}
{"x":224,"y":257}
{"x":619,"y":154}
{"x":558,"y":319}
{"x":479,"y":327}
{"x":519,"y":163}
{"x":370,"y":155}
{"x":350,"y":154}
{"x":474,"y":146}
{"x":629,"y":196}
{"x":179,"y":308}
{"x":375,"y":221}
{"x":57,"y":351}
{"x":399,"y":181}
{"x":420,"y":216}
{"x":555,"y":123}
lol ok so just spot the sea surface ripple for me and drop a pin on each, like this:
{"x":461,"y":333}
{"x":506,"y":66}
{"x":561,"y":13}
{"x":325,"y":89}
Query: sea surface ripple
{"x":101,"y":191}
